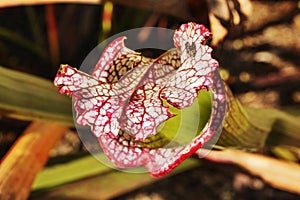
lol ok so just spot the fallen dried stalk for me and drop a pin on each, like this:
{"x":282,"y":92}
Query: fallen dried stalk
{"x":279,"y":174}
{"x":26,"y":158}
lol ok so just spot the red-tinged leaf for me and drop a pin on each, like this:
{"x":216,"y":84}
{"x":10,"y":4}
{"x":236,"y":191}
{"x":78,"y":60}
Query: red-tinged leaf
{"x":123,"y":100}
{"x":128,"y":153}
{"x":145,"y":112}
{"x":93,"y":100}
{"x":196,"y":66}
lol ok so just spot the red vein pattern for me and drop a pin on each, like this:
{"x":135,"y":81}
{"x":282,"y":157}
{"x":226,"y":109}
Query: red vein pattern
{"x":122,"y":101}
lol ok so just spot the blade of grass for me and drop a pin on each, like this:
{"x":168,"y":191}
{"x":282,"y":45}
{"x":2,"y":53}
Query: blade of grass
{"x":34,"y":25}
{"x":64,"y":173}
{"x":102,"y":186}
{"x":25,"y":43}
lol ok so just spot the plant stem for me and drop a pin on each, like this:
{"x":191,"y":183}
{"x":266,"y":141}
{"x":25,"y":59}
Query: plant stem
{"x":26,"y":158}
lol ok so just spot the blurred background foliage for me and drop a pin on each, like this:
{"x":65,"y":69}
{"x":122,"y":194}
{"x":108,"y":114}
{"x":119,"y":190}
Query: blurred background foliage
{"x":259,"y":54}
{"x":25,"y":34}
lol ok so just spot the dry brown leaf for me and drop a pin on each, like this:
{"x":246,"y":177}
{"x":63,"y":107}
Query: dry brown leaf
{"x":26,"y":158}
{"x":280,"y":174}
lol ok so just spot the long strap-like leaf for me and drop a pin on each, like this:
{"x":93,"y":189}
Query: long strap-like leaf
{"x":28,"y":97}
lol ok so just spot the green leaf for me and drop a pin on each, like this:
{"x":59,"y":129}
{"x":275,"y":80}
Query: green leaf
{"x":29,"y":97}
{"x":255,"y":129}
{"x":68,"y":172}
{"x":92,"y":180}
{"x":188,"y":122}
